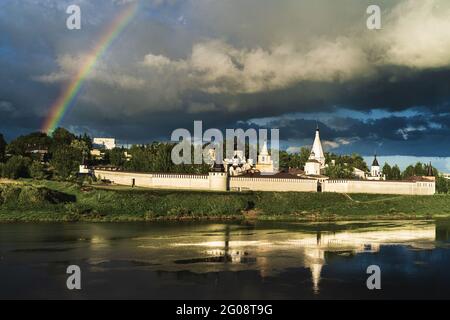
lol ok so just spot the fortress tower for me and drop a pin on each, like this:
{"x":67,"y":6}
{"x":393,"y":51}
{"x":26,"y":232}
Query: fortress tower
{"x":218,"y":178}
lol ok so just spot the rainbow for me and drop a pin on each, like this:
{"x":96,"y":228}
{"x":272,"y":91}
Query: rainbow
{"x":70,"y":92}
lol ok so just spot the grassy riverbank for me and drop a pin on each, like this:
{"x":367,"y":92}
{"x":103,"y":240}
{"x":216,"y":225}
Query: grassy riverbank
{"x":62,"y":201}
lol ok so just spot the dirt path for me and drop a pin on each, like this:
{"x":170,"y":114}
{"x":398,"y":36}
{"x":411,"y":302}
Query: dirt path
{"x":350,"y":198}
{"x":370,"y":201}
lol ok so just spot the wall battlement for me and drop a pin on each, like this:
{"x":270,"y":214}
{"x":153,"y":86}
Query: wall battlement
{"x":380,"y":187}
{"x":220,"y":181}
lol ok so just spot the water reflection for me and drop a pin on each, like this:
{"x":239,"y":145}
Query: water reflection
{"x":280,"y":250}
{"x":268,"y":259}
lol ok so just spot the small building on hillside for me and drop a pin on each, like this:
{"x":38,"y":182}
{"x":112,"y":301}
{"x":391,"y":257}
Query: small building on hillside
{"x":104,"y":143}
{"x":100,"y":145}
{"x":39,"y":154}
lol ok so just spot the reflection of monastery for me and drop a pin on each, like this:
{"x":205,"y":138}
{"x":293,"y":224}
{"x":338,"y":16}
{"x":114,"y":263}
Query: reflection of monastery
{"x":274,"y":252}
{"x":241,"y":174}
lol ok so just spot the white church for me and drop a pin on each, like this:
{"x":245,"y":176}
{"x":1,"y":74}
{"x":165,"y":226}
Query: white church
{"x":316,"y":162}
{"x":315,"y":166}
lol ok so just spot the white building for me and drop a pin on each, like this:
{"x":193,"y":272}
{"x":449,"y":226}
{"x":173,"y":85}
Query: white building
{"x":238,"y":164}
{"x":312,"y":166}
{"x":360,"y":174}
{"x":265,"y":162}
{"x":106,"y":143}
{"x":316,"y":161}
{"x":375,"y":171}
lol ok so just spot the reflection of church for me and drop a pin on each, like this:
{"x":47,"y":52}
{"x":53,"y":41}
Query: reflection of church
{"x":282,"y":250}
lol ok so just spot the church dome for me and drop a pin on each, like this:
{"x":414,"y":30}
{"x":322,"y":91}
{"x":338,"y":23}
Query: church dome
{"x":375,"y":162}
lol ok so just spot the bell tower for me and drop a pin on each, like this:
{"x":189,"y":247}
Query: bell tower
{"x":317,"y":149}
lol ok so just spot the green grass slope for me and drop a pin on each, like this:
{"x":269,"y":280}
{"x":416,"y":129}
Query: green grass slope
{"x":61,"y":201}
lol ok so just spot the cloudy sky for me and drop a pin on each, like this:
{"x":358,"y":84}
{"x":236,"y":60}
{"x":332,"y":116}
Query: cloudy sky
{"x":283,"y":64}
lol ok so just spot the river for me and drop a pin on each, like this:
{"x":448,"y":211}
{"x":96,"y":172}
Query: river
{"x":229,"y":260}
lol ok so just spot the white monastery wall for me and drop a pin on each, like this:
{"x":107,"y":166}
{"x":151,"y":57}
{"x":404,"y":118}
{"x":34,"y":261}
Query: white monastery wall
{"x":180,"y":181}
{"x":218,"y":181}
{"x":272,"y":184}
{"x":156,"y":180}
{"x":125,"y":178}
{"x":380,"y":187}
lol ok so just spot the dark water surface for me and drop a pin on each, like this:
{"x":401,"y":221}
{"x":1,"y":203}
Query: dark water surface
{"x":197,"y":260}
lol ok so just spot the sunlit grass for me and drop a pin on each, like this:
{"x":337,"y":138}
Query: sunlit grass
{"x":64,"y":201}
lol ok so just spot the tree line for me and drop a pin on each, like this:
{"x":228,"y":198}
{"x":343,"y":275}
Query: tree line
{"x":153,"y":157}
{"x":40,"y":156}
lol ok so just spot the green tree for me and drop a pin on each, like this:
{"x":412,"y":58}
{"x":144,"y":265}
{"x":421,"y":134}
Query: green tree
{"x":339,"y":171}
{"x":420,"y":169}
{"x":408,"y":172}
{"x":87,"y":140}
{"x":139,"y":159}
{"x":353,"y":160}
{"x":357,"y":161}
{"x":62,"y":136}
{"x":66,"y":161}
{"x":442,"y":185}
{"x":387,"y":171}
{"x":161,"y":153}
{"x":17,"y":167}
{"x":295,"y":160}
{"x":23,"y":145}
{"x":156,"y":157}
{"x":116,"y":157}
{"x":396,"y":173}
{"x":2,"y":148}
{"x":299,"y":160}
{"x":37,"y":170}
{"x":82,"y":146}
{"x":284,"y":159}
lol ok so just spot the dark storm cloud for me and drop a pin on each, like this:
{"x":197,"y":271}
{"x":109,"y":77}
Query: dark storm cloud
{"x":225,"y":62}
{"x":413,"y":134}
